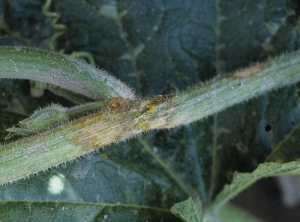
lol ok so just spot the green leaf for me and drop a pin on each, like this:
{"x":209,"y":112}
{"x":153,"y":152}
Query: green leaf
{"x":159,"y":47}
{"x":77,"y":211}
{"x":189,"y":210}
{"x":243,"y":180}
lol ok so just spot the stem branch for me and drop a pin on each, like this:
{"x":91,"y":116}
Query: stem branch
{"x":123,"y":118}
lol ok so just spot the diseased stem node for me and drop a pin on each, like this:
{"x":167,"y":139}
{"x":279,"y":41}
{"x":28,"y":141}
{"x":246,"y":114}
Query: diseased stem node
{"x":57,"y":134}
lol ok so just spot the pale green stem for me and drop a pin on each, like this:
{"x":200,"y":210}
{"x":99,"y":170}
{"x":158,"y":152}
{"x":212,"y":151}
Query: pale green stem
{"x":122,"y":119}
{"x":223,"y":92}
{"x":62,"y":70}
{"x":86,"y":108}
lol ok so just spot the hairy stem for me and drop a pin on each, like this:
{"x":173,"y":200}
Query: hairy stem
{"x":122,"y":118}
{"x":61,"y":70}
{"x":240,"y":86}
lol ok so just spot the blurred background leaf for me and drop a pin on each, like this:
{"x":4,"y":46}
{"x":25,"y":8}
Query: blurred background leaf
{"x":157,"y":47}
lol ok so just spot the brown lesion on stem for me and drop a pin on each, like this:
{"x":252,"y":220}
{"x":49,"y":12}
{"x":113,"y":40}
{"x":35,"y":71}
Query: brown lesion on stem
{"x":111,"y":124}
{"x":150,"y":116}
{"x":117,"y":103}
{"x":143,"y":125}
{"x":120,"y":119}
{"x":98,"y":129}
{"x":246,"y":72}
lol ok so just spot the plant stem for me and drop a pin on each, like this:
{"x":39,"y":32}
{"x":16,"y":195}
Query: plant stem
{"x":61,"y":70}
{"x":122,"y":119}
{"x":223,"y":92}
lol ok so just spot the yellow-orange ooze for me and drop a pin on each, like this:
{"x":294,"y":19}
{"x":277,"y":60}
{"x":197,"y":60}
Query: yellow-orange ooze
{"x":143,"y":125}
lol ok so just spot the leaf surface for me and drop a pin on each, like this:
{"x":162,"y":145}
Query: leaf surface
{"x":189,"y":210}
{"x":156,"y":47}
